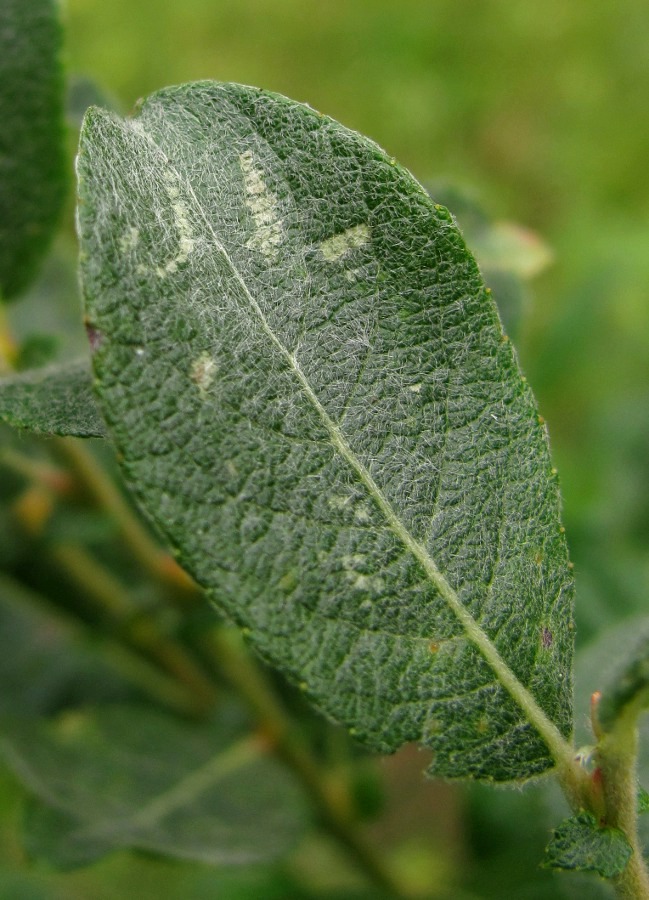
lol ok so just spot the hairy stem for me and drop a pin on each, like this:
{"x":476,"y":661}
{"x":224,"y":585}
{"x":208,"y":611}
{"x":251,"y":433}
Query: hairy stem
{"x":617,"y":754}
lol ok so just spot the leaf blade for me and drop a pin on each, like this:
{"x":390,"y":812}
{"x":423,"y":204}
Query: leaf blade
{"x":302,"y":361}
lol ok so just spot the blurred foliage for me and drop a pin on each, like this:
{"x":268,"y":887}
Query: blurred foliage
{"x":538,"y":111}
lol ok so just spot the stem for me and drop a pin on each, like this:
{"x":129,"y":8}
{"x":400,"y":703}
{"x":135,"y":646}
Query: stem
{"x":617,"y":754}
{"x":253,"y":687}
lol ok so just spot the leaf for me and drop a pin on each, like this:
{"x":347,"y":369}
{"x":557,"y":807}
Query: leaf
{"x":33,"y":170}
{"x":130,"y":777}
{"x":312,"y":398}
{"x":580,"y":844}
{"x":627,"y":694}
{"x":53,"y":400}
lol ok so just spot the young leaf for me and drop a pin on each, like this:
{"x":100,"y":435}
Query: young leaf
{"x":126,"y":776}
{"x":580,"y":844}
{"x":33,"y":176}
{"x":311,"y":396}
{"x":53,"y":400}
{"x":628,"y":693}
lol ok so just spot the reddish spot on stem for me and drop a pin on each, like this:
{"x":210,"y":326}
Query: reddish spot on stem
{"x":546,"y":638}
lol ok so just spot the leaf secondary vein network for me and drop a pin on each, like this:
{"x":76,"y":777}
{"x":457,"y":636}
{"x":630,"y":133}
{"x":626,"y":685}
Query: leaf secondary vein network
{"x":559,"y":748}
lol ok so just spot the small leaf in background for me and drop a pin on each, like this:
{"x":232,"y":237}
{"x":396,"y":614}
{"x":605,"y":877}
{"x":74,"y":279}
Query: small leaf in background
{"x":36,"y":351}
{"x":83,"y":92}
{"x":509,"y":255}
{"x":598,"y":665}
{"x":53,"y":400}
{"x":580,"y":844}
{"x":33,"y":176}
{"x":312,"y":397}
{"x":628,"y":693}
{"x":131,"y":777}
{"x":642,"y":801}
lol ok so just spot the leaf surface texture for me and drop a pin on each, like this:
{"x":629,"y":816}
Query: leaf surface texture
{"x":312,"y":397}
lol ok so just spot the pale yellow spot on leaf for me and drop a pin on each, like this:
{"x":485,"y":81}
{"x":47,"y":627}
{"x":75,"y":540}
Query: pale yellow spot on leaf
{"x":203,"y":371}
{"x":129,"y":240}
{"x":362,"y":514}
{"x":264,"y":207}
{"x":340,"y":244}
{"x":186,"y":240}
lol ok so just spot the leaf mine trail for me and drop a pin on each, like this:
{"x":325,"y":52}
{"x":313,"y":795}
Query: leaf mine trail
{"x":282,"y":278}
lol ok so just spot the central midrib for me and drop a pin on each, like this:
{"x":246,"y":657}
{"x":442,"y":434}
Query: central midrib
{"x":558,"y":746}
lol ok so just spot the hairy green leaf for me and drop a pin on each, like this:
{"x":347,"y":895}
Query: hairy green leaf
{"x":33,"y":176}
{"x":125,"y":776}
{"x":580,"y":844}
{"x":53,"y":400}
{"x":311,"y":396}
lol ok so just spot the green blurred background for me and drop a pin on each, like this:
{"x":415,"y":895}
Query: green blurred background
{"x":542,"y":111}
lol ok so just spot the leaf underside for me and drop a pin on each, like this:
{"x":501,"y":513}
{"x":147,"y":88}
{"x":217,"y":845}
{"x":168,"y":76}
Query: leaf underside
{"x":579,"y":844}
{"x":312,"y":398}
{"x":33,"y":176}
{"x":54,"y":400}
